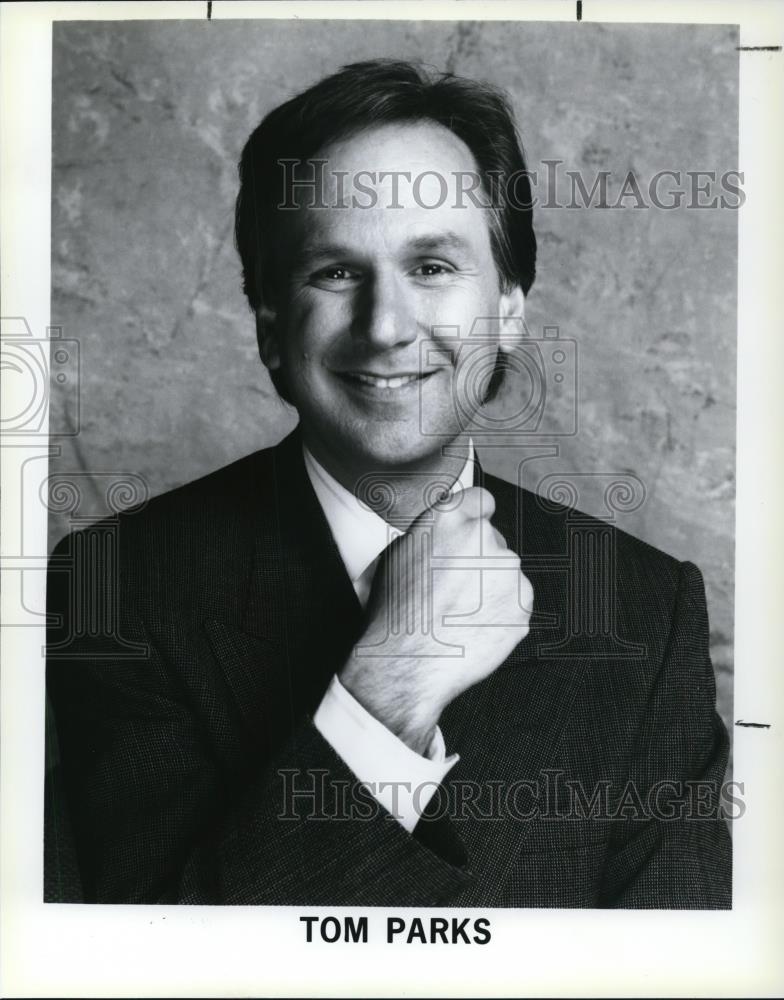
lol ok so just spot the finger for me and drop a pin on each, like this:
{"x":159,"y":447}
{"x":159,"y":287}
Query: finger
{"x":477,"y":502}
{"x":526,"y":594}
{"x":492,"y":539}
{"x":500,"y":541}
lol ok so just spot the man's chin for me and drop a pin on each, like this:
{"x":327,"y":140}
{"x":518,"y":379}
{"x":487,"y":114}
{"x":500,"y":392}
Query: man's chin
{"x":364,"y":447}
{"x":401,"y":452}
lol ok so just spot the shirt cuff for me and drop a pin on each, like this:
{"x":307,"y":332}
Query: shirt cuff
{"x":397,"y":777}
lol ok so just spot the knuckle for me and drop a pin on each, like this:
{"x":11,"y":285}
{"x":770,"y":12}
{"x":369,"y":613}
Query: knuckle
{"x":479,"y":502}
{"x":487,"y":501}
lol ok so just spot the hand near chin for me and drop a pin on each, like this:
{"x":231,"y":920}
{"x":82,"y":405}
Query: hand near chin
{"x":416,"y":653}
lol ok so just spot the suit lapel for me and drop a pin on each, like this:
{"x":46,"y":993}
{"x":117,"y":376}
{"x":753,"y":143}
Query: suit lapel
{"x":507,"y":731}
{"x":508,"y":728}
{"x":301,"y":615}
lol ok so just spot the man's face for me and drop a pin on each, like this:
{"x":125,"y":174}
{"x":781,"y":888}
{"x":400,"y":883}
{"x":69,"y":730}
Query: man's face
{"x":361,"y":292}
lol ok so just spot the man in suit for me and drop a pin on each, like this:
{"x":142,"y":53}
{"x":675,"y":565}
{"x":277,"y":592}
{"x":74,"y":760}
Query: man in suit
{"x":327,"y":683}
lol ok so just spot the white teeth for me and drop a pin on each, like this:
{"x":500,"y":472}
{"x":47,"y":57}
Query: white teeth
{"x":385,"y":383}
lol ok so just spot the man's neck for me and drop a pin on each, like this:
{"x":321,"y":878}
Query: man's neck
{"x":398,"y":493}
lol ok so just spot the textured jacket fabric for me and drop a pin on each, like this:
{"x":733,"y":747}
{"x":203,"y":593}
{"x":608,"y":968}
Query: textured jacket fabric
{"x":192,"y":640}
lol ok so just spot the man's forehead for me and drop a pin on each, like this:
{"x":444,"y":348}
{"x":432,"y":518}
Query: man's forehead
{"x":332,"y":233}
{"x":400,"y":164}
{"x":421,"y":143}
{"x":413,"y":178}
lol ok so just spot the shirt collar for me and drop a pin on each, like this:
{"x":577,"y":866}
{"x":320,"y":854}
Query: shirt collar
{"x":360,"y":534}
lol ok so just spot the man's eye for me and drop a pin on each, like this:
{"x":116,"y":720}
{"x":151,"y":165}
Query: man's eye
{"x":431,"y":269}
{"x":335,"y":274}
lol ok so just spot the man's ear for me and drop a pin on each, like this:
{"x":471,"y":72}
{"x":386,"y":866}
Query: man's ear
{"x":266,"y":337}
{"x":512,"y":314}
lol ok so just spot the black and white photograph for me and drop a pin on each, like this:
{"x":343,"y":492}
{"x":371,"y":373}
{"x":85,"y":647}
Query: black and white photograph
{"x":383,"y":436}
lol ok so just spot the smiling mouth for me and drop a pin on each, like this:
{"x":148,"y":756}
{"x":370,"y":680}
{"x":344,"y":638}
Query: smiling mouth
{"x":384,"y":381}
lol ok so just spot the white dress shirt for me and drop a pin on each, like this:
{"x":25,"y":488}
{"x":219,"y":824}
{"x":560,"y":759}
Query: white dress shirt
{"x":400,"y":779}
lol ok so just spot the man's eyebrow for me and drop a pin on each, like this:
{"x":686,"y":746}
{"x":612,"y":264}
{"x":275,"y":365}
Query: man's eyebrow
{"x":446,"y":240}
{"x":316,"y":251}
{"x":313,"y":250}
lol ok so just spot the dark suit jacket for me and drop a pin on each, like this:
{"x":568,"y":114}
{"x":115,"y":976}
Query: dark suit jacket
{"x":182,"y":724}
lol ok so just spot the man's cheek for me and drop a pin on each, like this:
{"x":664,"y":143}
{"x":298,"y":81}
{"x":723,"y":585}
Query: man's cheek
{"x":321,"y":331}
{"x":454,"y":311}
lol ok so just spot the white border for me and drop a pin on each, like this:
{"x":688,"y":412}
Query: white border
{"x":206,"y":951}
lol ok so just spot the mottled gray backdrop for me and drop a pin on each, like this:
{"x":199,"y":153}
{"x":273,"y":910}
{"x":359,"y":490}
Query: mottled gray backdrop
{"x":148,"y":122}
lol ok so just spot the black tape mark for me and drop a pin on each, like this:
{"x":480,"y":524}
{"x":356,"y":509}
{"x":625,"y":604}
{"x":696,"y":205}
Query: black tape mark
{"x":209,"y":10}
{"x":758,"y":48}
{"x":753,"y":725}
{"x":579,"y":10}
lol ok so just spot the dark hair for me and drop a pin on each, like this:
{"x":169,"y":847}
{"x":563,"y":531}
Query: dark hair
{"x":368,"y":94}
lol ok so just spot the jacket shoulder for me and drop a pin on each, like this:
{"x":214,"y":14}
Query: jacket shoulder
{"x":223,"y":493}
{"x":541,"y":525}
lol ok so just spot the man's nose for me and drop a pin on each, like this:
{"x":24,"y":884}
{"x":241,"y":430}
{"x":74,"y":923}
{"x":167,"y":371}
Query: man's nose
{"x":383,"y":314}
